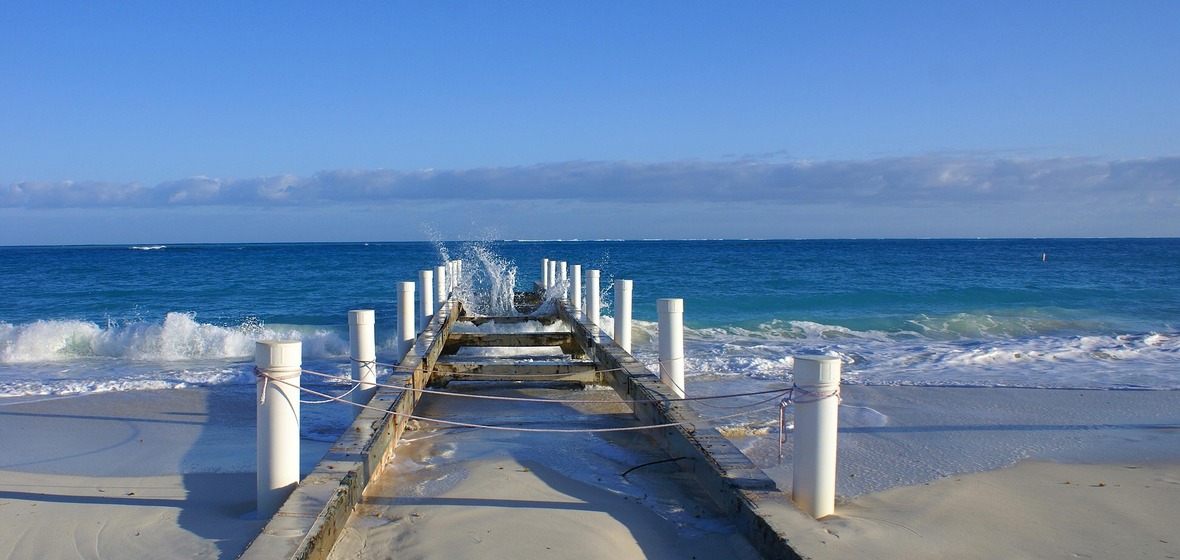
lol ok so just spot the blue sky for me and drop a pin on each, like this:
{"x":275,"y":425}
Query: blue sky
{"x":167,"y":122}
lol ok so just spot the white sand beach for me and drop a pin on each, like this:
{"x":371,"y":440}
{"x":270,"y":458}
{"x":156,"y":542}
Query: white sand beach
{"x":139,"y":474}
{"x":923,"y":473}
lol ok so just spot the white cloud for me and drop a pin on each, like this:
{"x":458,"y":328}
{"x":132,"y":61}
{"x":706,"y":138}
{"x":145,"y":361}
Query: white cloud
{"x":918,"y":181}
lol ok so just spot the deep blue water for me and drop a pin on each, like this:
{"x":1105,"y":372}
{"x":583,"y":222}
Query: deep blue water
{"x":1091,"y":313}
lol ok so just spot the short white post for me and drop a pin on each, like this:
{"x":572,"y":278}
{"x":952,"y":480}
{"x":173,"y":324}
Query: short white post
{"x":623,"y":314}
{"x":576,"y":287}
{"x":405,"y":318}
{"x":279,"y":363}
{"x":440,"y":285}
{"x":813,"y":478}
{"x":363,"y":354}
{"x":545,"y":274}
{"x":563,"y":279}
{"x":426,"y":301}
{"x":457,"y":277}
{"x":671,"y":326}
{"x":552,"y":273}
{"x":592,"y":296}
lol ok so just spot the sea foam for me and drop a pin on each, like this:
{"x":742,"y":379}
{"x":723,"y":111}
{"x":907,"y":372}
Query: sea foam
{"x":178,"y":337}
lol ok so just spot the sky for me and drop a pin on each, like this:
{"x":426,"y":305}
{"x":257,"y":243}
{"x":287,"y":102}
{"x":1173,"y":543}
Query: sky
{"x":195,"y":122}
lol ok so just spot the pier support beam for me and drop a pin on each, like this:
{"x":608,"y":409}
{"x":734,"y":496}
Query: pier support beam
{"x":405,"y":318}
{"x":576,"y":287}
{"x":563,"y":279}
{"x":813,"y":479}
{"x":545,"y":273}
{"x":363,"y":353}
{"x":592,"y":305}
{"x":426,"y":300}
{"x":278,"y":421}
{"x":623,"y":314}
{"x":671,"y":327}
{"x":440,"y":286}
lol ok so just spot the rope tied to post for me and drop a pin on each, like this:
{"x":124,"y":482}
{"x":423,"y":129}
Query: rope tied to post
{"x":797,"y":394}
{"x":267,"y":377}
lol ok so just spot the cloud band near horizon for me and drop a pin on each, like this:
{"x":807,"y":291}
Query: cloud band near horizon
{"x":930,"y":180}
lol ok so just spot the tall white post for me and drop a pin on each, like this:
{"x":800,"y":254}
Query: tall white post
{"x":671,"y":326}
{"x":592,"y":296}
{"x":457,"y":277}
{"x":813,"y":478}
{"x":279,"y":363}
{"x":552,"y":273}
{"x":576,"y":287}
{"x":623,"y":314}
{"x":405,"y":318}
{"x":426,"y":301}
{"x":440,"y":285}
{"x":563,"y":279}
{"x":363,"y":354}
{"x":545,"y":274}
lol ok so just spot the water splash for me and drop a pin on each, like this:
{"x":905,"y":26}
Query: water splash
{"x":488,"y":282}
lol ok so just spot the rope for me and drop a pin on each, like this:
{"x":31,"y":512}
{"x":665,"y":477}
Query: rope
{"x":258,"y":372}
{"x":328,"y":397}
{"x":481,"y":426}
{"x":807,"y":397}
{"x":775,"y":392}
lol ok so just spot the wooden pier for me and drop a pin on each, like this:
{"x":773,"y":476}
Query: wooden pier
{"x":311,"y":520}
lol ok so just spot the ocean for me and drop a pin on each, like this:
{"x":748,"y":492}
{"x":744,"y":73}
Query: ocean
{"x":1068,"y":313}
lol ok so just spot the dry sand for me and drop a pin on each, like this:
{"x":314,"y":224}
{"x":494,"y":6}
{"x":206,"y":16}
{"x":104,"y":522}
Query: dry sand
{"x":1031,"y":510}
{"x":923,"y":473}
{"x":143,"y":474}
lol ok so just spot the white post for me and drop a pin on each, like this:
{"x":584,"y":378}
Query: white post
{"x":363,"y":354}
{"x":426,"y":279}
{"x":592,"y":296}
{"x":405,"y":318}
{"x":671,"y":326}
{"x":440,"y":285}
{"x":623,"y":314}
{"x":552,"y":274}
{"x":279,"y":362}
{"x":545,"y":274}
{"x":457,"y":277}
{"x":813,"y":478}
{"x":563,"y":279}
{"x":576,"y":288}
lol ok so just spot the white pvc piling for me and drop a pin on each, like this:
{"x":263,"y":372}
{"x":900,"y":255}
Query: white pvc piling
{"x":576,"y":288}
{"x":457,"y":277}
{"x":279,"y":363}
{"x":440,"y":285}
{"x":563,"y":280}
{"x":552,"y":273}
{"x":671,"y":327}
{"x":545,"y":274}
{"x":592,"y":296}
{"x":813,"y":479}
{"x":363,"y":353}
{"x":405,"y":318}
{"x":623,"y":314}
{"x":426,"y":301}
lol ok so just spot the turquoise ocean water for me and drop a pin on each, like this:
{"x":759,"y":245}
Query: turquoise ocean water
{"x":1091,"y":313}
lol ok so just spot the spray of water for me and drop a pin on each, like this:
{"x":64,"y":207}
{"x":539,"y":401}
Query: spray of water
{"x":488,"y":283}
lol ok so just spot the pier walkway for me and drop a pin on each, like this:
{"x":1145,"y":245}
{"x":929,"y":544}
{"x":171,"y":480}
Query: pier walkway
{"x":577,"y":434}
